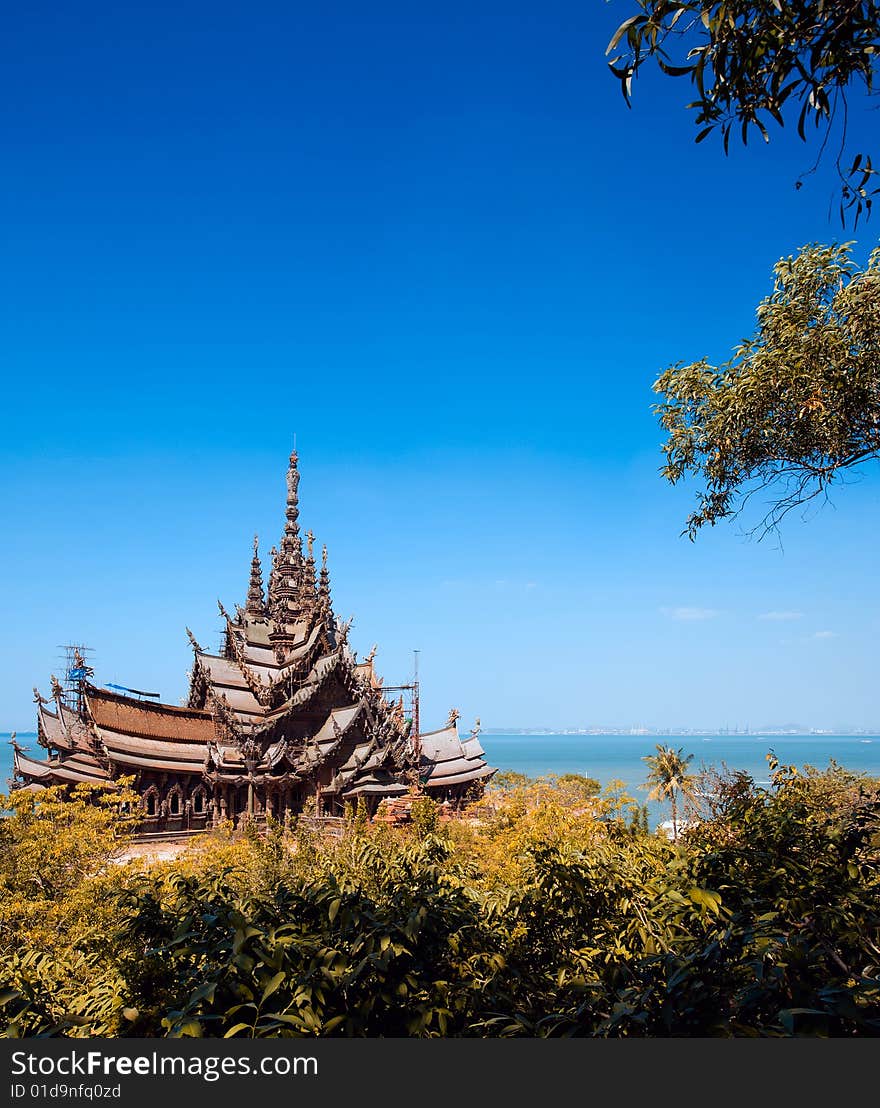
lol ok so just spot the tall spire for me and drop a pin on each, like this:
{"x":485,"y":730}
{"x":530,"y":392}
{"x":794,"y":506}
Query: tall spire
{"x":273,"y":573}
{"x":290,"y":540}
{"x":324,"y":582}
{"x":309,"y":582}
{"x":256,"y":605}
{"x":286,"y":578}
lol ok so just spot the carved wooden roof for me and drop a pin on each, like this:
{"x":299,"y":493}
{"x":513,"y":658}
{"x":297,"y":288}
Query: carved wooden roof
{"x":285,"y":687}
{"x":129,"y":716}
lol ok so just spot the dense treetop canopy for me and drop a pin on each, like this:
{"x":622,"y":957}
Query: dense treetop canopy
{"x":550,"y":911}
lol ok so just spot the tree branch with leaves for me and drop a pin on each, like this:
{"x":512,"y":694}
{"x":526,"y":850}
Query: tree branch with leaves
{"x":756,"y":62}
{"x":796,"y":407}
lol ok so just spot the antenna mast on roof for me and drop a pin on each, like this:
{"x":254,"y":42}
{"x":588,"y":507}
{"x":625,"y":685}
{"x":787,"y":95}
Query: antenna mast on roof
{"x":417,"y":740}
{"x":413,"y":689}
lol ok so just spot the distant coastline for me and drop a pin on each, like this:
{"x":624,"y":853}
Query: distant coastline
{"x":759,"y":732}
{"x":660,"y":732}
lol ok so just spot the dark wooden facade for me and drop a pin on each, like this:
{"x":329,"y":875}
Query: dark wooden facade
{"x":283,"y":719}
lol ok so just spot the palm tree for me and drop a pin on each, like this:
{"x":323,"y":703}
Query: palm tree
{"x":668,"y":778}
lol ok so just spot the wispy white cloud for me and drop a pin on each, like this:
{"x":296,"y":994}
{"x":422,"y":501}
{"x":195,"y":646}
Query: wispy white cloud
{"x":781,"y":617}
{"x":690,"y":614}
{"x":517,"y":587}
{"x":824,"y":635}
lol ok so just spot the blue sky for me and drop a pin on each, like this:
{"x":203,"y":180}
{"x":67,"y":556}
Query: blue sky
{"x":433,"y":242}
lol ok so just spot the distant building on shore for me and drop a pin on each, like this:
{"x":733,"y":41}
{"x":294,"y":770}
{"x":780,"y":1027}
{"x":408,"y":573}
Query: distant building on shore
{"x":283,"y":719}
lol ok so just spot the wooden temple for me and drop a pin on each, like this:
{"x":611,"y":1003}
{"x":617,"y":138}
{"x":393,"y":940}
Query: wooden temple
{"x":282,"y":719}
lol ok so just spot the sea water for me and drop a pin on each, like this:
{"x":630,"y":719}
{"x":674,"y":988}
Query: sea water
{"x":621,"y":757}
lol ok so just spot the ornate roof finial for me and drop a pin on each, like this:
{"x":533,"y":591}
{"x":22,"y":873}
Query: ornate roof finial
{"x":309,"y":586}
{"x":342,"y":638}
{"x":475,"y":730}
{"x":256,"y":604}
{"x":372,"y":653}
{"x":290,"y":541}
{"x":57,"y":691}
{"x":324,"y":582}
{"x":273,"y":574}
{"x":287,"y":572}
{"x":193,"y":641}
{"x":38,"y":697}
{"x":454,"y":717}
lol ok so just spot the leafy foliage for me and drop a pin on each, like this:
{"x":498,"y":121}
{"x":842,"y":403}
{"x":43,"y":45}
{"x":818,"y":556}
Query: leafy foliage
{"x":797,"y":405}
{"x":751,"y":62}
{"x":50,"y":844}
{"x":58,"y":889}
{"x":548,"y":913}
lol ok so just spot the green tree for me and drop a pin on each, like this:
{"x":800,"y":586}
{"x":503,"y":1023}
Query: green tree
{"x":753,"y":62}
{"x":51,"y":842}
{"x":668,"y":779}
{"x":424,"y":814}
{"x":507,"y":779}
{"x":578,"y":787}
{"x":797,"y":405}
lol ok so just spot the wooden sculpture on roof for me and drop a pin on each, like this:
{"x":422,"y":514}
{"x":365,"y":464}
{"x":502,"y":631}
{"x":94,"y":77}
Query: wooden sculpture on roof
{"x":282,"y":717}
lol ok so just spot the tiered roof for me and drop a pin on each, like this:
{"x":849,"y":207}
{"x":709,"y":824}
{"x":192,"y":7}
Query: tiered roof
{"x":284,"y":698}
{"x":451,"y":761}
{"x":72,"y":755}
